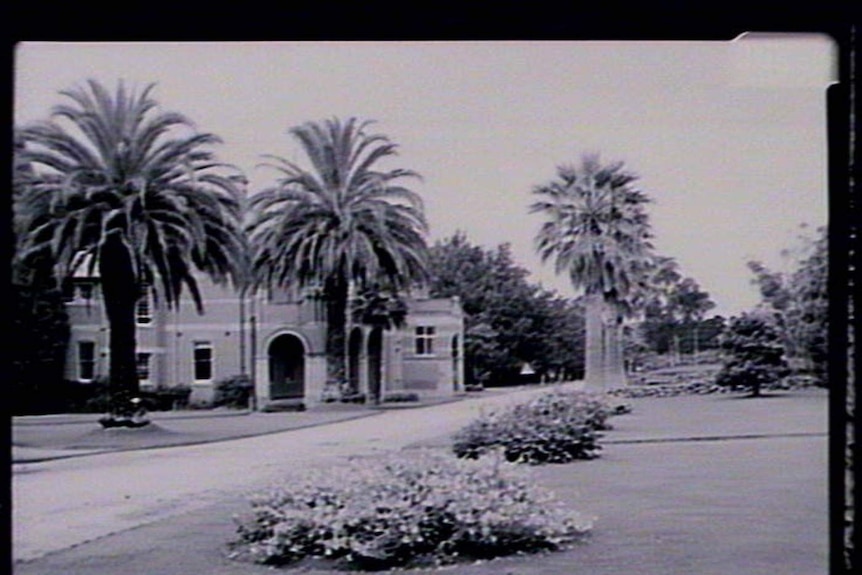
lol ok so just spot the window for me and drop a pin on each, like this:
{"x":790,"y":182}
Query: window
{"x":144,"y":309}
{"x":143,"y":367}
{"x":86,"y":360}
{"x":203,"y":361}
{"x":425,"y":340}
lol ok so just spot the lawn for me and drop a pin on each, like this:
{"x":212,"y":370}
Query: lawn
{"x":736,"y":504}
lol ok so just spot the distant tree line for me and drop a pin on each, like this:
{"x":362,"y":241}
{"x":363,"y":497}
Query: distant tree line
{"x":674,"y":313}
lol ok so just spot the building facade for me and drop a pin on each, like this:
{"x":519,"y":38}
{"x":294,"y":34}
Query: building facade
{"x":278,"y":340}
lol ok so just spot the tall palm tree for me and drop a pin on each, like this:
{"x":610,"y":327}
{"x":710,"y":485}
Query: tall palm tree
{"x":339,"y":223}
{"x":131,"y":192}
{"x":597,"y":230}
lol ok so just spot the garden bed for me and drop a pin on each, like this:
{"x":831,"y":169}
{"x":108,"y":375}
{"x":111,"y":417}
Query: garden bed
{"x":555,"y":427}
{"x":405,"y":510}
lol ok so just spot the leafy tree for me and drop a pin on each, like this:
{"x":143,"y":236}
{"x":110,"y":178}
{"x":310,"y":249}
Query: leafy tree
{"x":597,"y":231}
{"x":37,"y":352}
{"x":673,"y":311}
{"x":562,"y":335}
{"x":807,"y":319}
{"x":659,"y":313}
{"x":690,"y":304}
{"x":753,"y":354}
{"x":508,"y":320}
{"x":134,"y":194}
{"x":37,"y":313}
{"x":340,"y":222}
{"x":799,"y":302}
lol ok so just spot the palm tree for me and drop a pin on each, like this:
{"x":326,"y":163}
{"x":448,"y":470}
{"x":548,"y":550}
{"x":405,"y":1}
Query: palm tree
{"x":131,"y":192}
{"x":597,"y":230}
{"x":339,"y":223}
{"x":378,"y":306}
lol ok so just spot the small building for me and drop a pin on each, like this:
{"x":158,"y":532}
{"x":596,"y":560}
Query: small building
{"x":276,"y":339}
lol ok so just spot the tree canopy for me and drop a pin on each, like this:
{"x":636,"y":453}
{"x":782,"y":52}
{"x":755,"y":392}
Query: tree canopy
{"x":136,"y":194}
{"x":509,"y":321}
{"x":799,"y":302}
{"x":341,"y":222}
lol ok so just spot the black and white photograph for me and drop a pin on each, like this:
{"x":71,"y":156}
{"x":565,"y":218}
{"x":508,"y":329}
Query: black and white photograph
{"x":534,"y":307}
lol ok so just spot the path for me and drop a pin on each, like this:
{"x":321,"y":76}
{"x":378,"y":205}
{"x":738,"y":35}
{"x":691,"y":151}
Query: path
{"x":61,"y":503}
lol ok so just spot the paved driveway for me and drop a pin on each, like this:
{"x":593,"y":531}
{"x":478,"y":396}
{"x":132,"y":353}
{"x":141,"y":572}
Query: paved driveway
{"x":61,"y":503}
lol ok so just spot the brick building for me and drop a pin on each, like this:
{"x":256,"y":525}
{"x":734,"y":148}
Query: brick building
{"x":276,"y":339}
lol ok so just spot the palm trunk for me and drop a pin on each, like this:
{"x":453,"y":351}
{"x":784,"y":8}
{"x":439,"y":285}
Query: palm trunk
{"x":336,"y":326}
{"x":615,"y":368}
{"x":120,"y":294}
{"x":594,"y":367}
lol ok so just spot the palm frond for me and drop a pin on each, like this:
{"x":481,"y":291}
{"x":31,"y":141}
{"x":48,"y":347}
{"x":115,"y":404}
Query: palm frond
{"x":111,"y":165}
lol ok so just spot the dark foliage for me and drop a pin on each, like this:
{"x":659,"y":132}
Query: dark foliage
{"x":508,"y":320}
{"x":37,"y":351}
{"x":753,"y":354}
{"x":556,"y":427}
{"x":233,"y":391}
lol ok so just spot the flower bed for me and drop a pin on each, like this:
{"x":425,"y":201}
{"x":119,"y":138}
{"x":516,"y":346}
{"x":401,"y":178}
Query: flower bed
{"x":703,"y":388}
{"x":555,"y":427}
{"x":405,"y":510}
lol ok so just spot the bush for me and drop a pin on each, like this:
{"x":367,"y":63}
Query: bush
{"x":166,"y":398}
{"x":233,"y":391}
{"x":86,"y":397}
{"x":353,"y":397}
{"x":282,"y":405}
{"x":753,"y":356}
{"x":555,"y":427}
{"x":401,"y":397}
{"x":405,"y":511}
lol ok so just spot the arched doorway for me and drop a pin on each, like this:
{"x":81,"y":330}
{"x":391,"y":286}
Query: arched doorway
{"x":286,"y":367}
{"x":375,"y":364}
{"x":456,"y":363}
{"x":354,"y":350}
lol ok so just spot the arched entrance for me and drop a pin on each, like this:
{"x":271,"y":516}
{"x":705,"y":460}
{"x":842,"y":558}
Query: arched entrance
{"x":456,"y":363}
{"x":375,"y":364}
{"x":286,"y":367}
{"x":354,"y":350}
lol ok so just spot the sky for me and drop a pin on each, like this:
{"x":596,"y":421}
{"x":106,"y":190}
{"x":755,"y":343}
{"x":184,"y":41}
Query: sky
{"x":728,"y":138}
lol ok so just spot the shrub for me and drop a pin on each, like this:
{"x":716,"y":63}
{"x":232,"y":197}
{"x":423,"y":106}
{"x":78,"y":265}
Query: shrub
{"x":166,"y":398}
{"x":233,"y":391}
{"x":555,"y":427}
{"x":753,"y":354}
{"x":353,"y":397}
{"x":400,"y":397}
{"x":402,"y":510}
{"x":92,"y":397}
{"x":281,"y":405}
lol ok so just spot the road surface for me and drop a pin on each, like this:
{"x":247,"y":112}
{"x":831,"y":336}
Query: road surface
{"x":62,"y":503}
